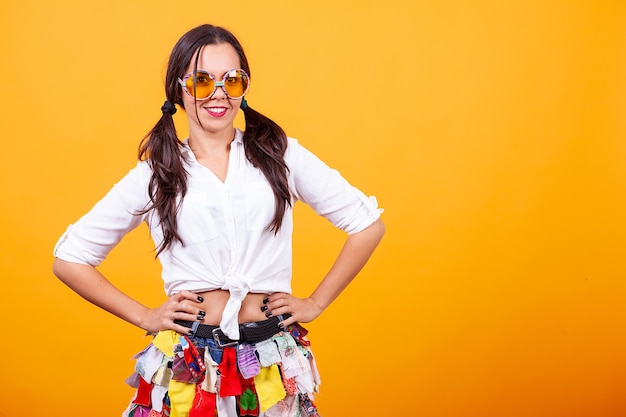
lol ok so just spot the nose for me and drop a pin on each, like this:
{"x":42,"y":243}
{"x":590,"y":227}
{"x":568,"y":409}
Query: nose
{"x":220,"y":91}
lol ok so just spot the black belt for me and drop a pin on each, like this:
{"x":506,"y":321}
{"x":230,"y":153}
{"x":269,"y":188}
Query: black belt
{"x":248,"y":332}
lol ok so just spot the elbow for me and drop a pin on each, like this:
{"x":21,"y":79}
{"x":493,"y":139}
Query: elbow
{"x":374,"y":231}
{"x":61,"y":269}
{"x":57,"y":268}
{"x":380,"y":228}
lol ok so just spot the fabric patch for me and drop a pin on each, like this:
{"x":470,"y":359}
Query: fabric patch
{"x":247,"y":361}
{"x":313,"y":365}
{"x":167,"y":404}
{"x":204,"y":404}
{"x":193,"y":358}
{"x":180,"y":371}
{"x":307,"y":408}
{"x":133,"y":380}
{"x":139,"y":411}
{"x":226,"y":406}
{"x":229,"y":381}
{"x":306,"y":381}
{"x":268,"y":352}
{"x":285,"y":408}
{"x":269,"y":387}
{"x":210,"y":379}
{"x":293,"y":363}
{"x":164,"y":373}
{"x":290,"y":385}
{"x":248,"y":401}
{"x":214,"y":350}
{"x":165,"y":341}
{"x":149,"y":362}
{"x":181,"y":397}
{"x":299,"y":333}
{"x":143,"y":393}
{"x":158,"y":397}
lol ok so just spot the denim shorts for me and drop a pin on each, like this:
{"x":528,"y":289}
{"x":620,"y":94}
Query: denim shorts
{"x":183,"y":376}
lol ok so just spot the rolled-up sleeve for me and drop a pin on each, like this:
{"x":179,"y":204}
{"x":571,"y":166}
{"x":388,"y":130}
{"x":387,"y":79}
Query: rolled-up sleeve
{"x":90,"y":239}
{"x":327,"y":192}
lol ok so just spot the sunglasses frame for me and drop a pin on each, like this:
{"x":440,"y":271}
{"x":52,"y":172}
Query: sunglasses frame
{"x":183,"y":83}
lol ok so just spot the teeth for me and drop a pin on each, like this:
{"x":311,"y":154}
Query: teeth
{"x":217,"y":109}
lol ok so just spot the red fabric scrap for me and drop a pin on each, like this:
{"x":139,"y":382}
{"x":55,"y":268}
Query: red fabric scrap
{"x":193,"y":359}
{"x":299,"y":333}
{"x":290,"y":383}
{"x":248,"y":401}
{"x":204,"y":403}
{"x":143,"y":393}
{"x":230,"y":384}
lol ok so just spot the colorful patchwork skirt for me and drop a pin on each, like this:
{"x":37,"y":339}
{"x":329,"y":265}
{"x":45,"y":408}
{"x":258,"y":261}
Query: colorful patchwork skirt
{"x":182,"y":376}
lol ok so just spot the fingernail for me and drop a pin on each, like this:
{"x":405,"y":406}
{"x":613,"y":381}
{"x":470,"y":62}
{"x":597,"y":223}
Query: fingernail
{"x":190,"y":332}
{"x":281,"y":325}
{"x":264,"y":308}
{"x":268,"y":313}
{"x":200,"y":317}
{"x":200,"y":299}
{"x":202,"y":313}
{"x":266,"y":300}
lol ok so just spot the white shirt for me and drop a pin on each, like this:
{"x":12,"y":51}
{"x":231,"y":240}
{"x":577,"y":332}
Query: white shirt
{"x":223,"y":224}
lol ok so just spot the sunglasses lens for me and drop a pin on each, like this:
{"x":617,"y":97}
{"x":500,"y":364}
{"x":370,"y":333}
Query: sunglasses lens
{"x":204,"y":85}
{"x":236,"y":83}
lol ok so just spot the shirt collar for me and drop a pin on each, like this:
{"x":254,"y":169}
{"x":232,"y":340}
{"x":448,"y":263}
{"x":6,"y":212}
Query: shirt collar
{"x":188,"y":152}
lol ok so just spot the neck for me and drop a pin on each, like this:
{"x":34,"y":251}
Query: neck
{"x":211,"y":142}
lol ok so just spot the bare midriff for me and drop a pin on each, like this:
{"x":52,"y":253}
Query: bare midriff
{"x":215,"y":301}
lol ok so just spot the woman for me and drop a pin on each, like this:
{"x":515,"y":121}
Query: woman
{"x":219,"y":208}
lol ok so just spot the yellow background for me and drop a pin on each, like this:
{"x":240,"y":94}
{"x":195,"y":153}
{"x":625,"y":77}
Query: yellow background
{"x":492,"y":132}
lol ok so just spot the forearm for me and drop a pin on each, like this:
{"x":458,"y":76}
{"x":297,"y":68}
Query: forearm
{"x":90,"y":284}
{"x":353,"y":256}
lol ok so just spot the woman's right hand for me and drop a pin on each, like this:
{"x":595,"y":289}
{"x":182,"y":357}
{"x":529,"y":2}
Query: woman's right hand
{"x":185,"y":305}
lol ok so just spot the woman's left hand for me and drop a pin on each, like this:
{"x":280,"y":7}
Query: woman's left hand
{"x":302,"y":310}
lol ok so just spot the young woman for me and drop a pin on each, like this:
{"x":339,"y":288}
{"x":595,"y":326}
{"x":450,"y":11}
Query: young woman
{"x":227,"y":341}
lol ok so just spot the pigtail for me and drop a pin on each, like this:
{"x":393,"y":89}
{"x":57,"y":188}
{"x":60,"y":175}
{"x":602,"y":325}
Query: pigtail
{"x":162,"y":149}
{"x":265,"y":144}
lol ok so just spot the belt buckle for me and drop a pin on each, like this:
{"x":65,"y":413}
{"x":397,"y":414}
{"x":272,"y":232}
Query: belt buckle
{"x":216,"y":337}
{"x":194,"y":328}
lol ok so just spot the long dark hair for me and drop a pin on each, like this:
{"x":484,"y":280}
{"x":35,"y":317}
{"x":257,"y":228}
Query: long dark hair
{"x":264,"y":141}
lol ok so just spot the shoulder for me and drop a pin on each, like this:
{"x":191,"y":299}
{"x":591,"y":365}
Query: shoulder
{"x":295,"y":151}
{"x":142,"y":167}
{"x":292,"y":146}
{"x":142,"y":170}
{"x":299,"y":158}
{"x":137,"y":177}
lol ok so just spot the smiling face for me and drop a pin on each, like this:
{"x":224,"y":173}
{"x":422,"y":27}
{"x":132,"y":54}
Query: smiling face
{"x":216,"y":114}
